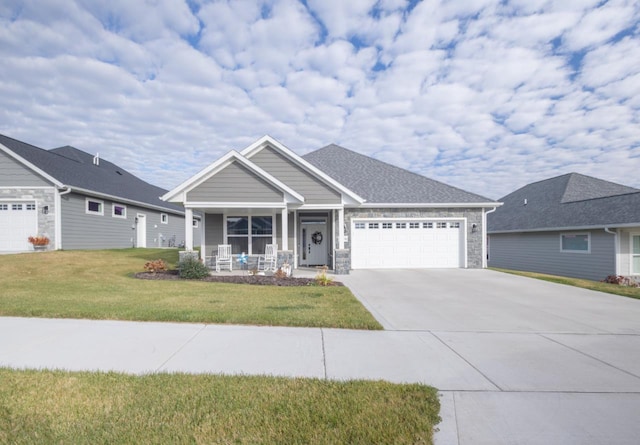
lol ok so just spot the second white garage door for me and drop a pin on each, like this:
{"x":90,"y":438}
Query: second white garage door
{"x":18,"y":221}
{"x":394,"y":244}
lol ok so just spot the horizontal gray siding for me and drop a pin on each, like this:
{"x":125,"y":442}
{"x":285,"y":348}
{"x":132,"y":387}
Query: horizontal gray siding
{"x":313,"y":190}
{"x":235,"y":184}
{"x":83,"y":231}
{"x":14,"y":174}
{"x":540,"y":252}
{"x":213,"y":234}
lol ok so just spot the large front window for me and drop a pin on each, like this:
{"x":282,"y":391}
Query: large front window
{"x":635,"y":254}
{"x":251,"y":241}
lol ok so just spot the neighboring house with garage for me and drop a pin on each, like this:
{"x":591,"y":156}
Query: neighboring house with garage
{"x":80,"y":201}
{"x":334,"y":207}
{"x":571,"y":225}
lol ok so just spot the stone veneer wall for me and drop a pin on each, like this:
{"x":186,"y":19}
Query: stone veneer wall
{"x":43,"y":197}
{"x":473,"y":216}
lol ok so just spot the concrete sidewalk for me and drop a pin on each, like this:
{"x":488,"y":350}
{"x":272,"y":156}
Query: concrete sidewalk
{"x":495,"y":387}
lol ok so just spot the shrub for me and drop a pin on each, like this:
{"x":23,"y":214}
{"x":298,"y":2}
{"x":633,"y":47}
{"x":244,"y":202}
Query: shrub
{"x":192,"y":269}
{"x":621,"y":281}
{"x":39,"y":240}
{"x":155,"y":266}
{"x":322,"y":279}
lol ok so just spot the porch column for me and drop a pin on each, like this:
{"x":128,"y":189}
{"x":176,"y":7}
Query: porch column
{"x":340,"y":228}
{"x":285,"y":229}
{"x":188,"y":229}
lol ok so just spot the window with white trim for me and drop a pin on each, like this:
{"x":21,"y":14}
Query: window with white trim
{"x":31,"y":206}
{"x":635,"y":254}
{"x":441,"y":225}
{"x":575,"y":242}
{"x":360,"y":225}
{"x":94,"y":207}
{"x":387,"y":225}
{"x":164,"y":218}
{"x":249,"y":234}
{"x":118,"y":211}
{"x":4,"y":206}
{"x":16,"y":206}
{"x":401,"y":225}
{"x":414,"y":225}
{"x":374,"y":225}
{"x":427,"y":225}
{"x":454,"y":225}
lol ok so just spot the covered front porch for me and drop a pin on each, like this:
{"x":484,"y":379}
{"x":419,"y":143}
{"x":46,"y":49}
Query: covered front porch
{"x":305,"y":238}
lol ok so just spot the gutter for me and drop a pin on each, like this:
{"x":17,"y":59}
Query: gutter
{"x":484,"y":236}
{"x":616,"y":244}
{"x":58,"y":215}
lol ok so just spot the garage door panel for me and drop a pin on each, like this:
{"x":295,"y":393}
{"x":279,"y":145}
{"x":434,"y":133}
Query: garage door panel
{"x":423,"y":244}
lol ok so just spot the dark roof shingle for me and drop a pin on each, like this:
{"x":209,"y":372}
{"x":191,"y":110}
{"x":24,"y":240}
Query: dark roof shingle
{"x":74,"y":167}
{"x":379,"y":182}
{"x":570,"y":200}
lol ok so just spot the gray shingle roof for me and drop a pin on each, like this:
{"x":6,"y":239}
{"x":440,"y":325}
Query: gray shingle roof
{"x":379,"y":182}
{"x":75,"y":168}
{"x":571,"y":200}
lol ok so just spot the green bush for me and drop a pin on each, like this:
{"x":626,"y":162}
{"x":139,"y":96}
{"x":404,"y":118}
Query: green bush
{"x":192,"y":269}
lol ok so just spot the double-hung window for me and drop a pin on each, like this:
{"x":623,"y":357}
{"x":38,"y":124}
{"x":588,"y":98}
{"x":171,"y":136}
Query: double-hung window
{"x":249,"y":234}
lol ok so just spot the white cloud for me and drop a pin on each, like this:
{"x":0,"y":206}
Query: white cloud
{"x":485,"y":95}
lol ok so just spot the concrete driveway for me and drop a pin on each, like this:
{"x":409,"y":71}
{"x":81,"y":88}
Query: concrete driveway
{"x":559,"y":365}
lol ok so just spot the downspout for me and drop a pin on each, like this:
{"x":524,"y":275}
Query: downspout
{"x":616,"y":246}
{"x":58,"y":215}
{"x":484,"y":237}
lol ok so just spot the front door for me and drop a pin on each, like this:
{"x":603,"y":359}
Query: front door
{"x":314,"y":243}
{"x":141,"y":232}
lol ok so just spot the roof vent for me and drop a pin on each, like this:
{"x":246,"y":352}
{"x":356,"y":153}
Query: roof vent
{"x":119,"y":172}
{"x":96,"y":159}
{"x":525,"y":201}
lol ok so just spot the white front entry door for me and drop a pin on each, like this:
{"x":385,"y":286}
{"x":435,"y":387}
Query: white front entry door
{"x":394,"y":244}
{"x":314,"y":244}
{"x":141,"y":230}
{"x":18,"y":221}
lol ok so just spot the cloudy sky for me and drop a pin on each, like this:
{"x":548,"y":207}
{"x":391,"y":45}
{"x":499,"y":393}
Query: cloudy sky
{"x":486,"y":95}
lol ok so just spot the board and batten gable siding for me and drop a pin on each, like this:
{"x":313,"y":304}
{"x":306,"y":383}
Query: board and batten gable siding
{"x":14,"y":174}
{"x":540,"y":252}
{"x":313,"y":190}
{"x":235,"y":183}
{"x":84,"y":231}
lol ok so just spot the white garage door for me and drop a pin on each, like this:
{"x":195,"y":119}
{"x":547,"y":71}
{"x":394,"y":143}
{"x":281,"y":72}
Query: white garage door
{"x":18,"y":221}
{"x":386,"y":244}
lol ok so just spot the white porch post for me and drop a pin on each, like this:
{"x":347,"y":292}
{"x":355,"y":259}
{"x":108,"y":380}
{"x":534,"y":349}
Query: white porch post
{"x":285,"y":229}
{"x":188,"y":229}
{"x":341,"y":228}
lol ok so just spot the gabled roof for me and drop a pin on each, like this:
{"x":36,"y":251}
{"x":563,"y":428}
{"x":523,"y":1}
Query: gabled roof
{"x":72,"y":167}
{"x":379,"y":182}
{"x":178,"y":193}
{"x":568,"y":201}
{"x":267,"y":140}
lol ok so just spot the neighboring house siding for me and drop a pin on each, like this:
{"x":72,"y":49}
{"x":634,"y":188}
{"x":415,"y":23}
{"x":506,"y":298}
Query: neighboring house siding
{"x":313,"y":190}
{"x":540,"y":252}
{"x":84,"y":231}
{"x":235,"y":184}
{"x":473,"y":216}
{"x":14,"y":174}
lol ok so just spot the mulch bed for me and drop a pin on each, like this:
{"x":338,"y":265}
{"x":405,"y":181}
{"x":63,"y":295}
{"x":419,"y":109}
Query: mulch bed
{"x":236,"y":279}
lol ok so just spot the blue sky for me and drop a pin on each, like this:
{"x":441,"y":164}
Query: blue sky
{"x":481,"y":94}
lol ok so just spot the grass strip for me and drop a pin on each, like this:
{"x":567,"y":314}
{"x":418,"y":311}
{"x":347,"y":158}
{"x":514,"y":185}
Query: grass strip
{"x":625,"y":291}
{"x":113,"y":408}
{"x":100,"y":285}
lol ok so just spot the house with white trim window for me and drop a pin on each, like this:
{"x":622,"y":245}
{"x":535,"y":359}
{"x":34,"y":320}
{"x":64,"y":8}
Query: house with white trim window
{"x":80,"y":201}
{"x":333,"y":207}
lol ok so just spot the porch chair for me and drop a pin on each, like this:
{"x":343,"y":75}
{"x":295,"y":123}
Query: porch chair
{"x":269,"y":260}
{"x":223,"y":259}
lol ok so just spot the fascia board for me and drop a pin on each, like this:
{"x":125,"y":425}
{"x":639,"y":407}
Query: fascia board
{"x":236,"y":205}
{"x":431,"y":205}
{"x":31,"y":166}
{"x":254,"y":148}
{"x":566,"y":229}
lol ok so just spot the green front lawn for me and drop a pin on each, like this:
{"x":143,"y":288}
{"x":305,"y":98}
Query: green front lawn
{"x":625,"y":291}
{"x":100,"y":285}
{"x":111,"y":408}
